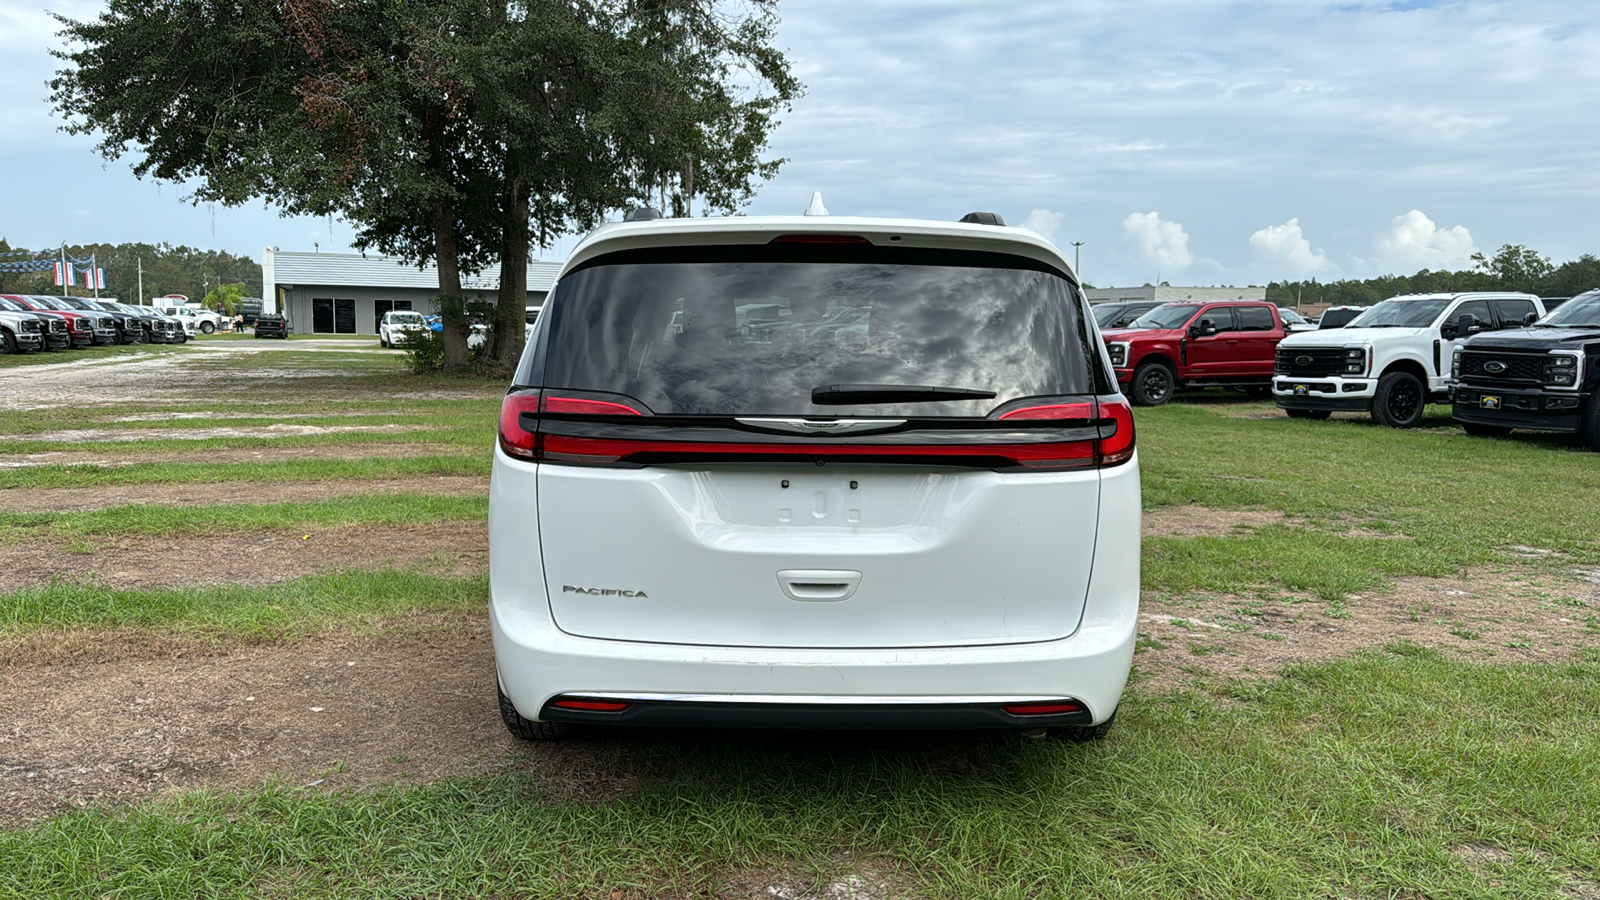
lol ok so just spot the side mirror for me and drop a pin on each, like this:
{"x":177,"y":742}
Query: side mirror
{"x":1467,"y":325}
{"x":1529,"y":319}
{"x":1205,"y":328}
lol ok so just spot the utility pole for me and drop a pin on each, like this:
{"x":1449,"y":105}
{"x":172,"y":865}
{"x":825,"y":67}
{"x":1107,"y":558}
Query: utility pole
{"x":140,"y":299}
{"x":1077,"y":269}
{"x":94,"y":273}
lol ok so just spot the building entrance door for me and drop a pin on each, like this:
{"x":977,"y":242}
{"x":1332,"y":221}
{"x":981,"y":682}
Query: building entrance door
{"x":344,"y":317}
{"x":321,"y":316}
{"x":379,"y":307}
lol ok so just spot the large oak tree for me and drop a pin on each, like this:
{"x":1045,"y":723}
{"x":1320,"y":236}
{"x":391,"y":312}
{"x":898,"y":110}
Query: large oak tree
{"x":461,"y":132}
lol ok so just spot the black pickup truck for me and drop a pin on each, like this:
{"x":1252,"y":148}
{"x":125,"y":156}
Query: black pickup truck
{"x":1542,"y":378}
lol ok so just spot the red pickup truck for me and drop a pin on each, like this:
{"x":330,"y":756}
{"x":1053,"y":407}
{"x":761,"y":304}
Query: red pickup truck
{"x":1192,"y":344}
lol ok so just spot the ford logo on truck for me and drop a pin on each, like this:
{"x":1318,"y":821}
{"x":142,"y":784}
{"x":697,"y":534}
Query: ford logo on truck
{"x":1303,"y":360}
{"x":1494,"y":367}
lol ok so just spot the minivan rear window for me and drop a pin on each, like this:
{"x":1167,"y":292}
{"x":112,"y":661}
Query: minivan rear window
{"x":755,"y":330}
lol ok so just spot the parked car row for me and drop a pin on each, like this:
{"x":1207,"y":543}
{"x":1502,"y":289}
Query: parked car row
{"x":36,"y":322}
{"x":1502,"y":360}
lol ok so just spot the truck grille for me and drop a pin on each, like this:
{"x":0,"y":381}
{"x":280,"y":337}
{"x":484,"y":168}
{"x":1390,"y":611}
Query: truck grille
{"x":1479,"y":364}
{"x":1310,"y":362}
{"x":31,"y":326}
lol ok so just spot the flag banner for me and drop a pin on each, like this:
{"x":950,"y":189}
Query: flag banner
{"x":61,"y":276}
{"x":100,"y":279}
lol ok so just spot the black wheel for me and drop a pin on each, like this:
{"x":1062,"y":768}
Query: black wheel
{"x":1477,"y":430}
{"x":1153,"y":384}
{"x":207,"y":327}
{"x":527,"y":729}
{"x":8,"y":344}
{"x":1399,"y":400}
{"x":1318,"y":414}
{"x":1589,"y":427}
{"x":1080,"y":734}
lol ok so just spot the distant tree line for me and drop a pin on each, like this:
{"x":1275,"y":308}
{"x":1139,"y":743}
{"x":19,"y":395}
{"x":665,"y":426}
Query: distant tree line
{"x":1512,"y":268}
{"x":167,"y":270}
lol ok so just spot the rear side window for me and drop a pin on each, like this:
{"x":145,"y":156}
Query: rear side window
{"x":1513,"y":312}
{"x":754,"y":330}
{"x":1254,"y":318}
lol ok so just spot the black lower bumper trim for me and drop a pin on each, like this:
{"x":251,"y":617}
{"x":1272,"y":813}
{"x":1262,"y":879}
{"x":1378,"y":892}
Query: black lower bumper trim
{"x":1331,"y":404}
{"x":1515,"y":418}
{"x":727,"y":714}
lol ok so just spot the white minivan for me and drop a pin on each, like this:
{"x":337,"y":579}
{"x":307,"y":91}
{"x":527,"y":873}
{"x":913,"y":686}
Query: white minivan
{"x":925,"y":517}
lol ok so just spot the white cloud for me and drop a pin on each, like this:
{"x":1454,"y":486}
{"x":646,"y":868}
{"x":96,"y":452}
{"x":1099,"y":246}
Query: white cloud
{"x":1285,"y":250}
{"x":1160,"y":242}
{"x":1414,"y":242}
{"x":1043,"y":222}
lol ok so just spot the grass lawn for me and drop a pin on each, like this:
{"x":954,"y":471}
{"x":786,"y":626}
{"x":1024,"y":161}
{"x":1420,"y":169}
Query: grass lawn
{"x":1393,"y":772}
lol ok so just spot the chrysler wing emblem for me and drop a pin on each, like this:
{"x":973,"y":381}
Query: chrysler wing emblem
{"x":1494,"y":367}
{"x":821,"y":426}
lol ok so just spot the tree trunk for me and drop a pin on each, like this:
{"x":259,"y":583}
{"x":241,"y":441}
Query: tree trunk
{"x":452,"y":302}
{"x":513,"y":297}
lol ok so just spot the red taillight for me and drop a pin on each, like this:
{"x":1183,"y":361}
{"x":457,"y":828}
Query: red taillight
{"x":514,"y":439}
{"x":1116,"y":447}
{"x":591,"y":705}
{"x":1116,"y":438}
{"x":1083,"y":410}
{"x":582,"y":407}
{"x":1065,"y":454}
{"x":820,"y":239}
{"x":1047,"y":708}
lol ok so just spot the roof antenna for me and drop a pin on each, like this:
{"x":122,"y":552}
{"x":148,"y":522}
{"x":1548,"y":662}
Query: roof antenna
{"x":816,"y":208}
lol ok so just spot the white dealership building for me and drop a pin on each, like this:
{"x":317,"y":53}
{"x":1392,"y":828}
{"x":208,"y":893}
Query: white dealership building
{"x":347,"y":293}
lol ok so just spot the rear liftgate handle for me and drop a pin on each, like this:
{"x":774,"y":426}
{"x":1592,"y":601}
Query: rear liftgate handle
{"x":819,"y":585}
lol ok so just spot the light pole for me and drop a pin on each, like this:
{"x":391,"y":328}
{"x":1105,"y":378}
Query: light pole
{"x":1076,"y":269}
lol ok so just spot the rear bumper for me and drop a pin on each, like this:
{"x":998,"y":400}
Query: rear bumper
{"x":870,"y":687}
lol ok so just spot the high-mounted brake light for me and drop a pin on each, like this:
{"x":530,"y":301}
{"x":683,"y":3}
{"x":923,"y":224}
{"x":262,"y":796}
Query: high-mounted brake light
{"x":819,"y":239}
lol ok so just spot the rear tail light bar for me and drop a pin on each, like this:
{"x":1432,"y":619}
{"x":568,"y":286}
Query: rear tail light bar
{"x":1102,"y":427}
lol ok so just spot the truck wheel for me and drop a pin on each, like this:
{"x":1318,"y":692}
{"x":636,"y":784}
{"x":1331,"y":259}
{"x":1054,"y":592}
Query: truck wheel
{"x":527,"y":729}
{"x":1477,"y":430}
{"x":8,"y":344}
{"x":207,"y":327}
{"x":1153,"y":384}
{"x":1589,"y":428}
{"x":1080,"y":734}
{"x":1318,"y":414}
{"x":1399,"y":400}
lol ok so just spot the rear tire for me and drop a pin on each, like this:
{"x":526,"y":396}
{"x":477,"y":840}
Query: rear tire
{"x":1589,"y":427}
{"x":1477,"y":430}
{"x":527,"y":729}
{"x":1082,"y":734}
{"x":1153,"y":384}
{"x":1318,"y":414}
{"x":8,"y":344}
{"x":1399,"y":400}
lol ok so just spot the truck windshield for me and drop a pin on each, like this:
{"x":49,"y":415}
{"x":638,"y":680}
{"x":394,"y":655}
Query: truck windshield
{"x":1396,"y":313}
{"x":1582,"y":311}
{"x":1173,"y":315}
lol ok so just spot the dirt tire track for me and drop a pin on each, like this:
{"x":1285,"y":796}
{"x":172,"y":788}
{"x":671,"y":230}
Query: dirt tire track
{"x":23,"y":500}
{"x":254,"y":557}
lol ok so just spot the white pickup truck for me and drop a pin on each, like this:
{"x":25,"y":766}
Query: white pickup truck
{"x":1393,"y":359}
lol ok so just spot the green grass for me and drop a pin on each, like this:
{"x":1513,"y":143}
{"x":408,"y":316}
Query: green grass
{"x":300,"y":605}
{"x":1361,"y":778}
{"x":1459,"y":500}
{"x":370,"y":509}
{"x":88,"y":475}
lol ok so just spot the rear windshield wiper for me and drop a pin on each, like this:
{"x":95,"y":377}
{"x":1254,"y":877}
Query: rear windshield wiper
{"x":844,"y":394}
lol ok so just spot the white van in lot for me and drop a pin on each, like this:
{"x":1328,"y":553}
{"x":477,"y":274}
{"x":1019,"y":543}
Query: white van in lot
{"x":927,"y":519}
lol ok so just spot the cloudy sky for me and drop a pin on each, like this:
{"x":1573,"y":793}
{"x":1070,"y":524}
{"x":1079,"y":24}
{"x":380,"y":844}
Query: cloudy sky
{"x":1202,"y":142}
